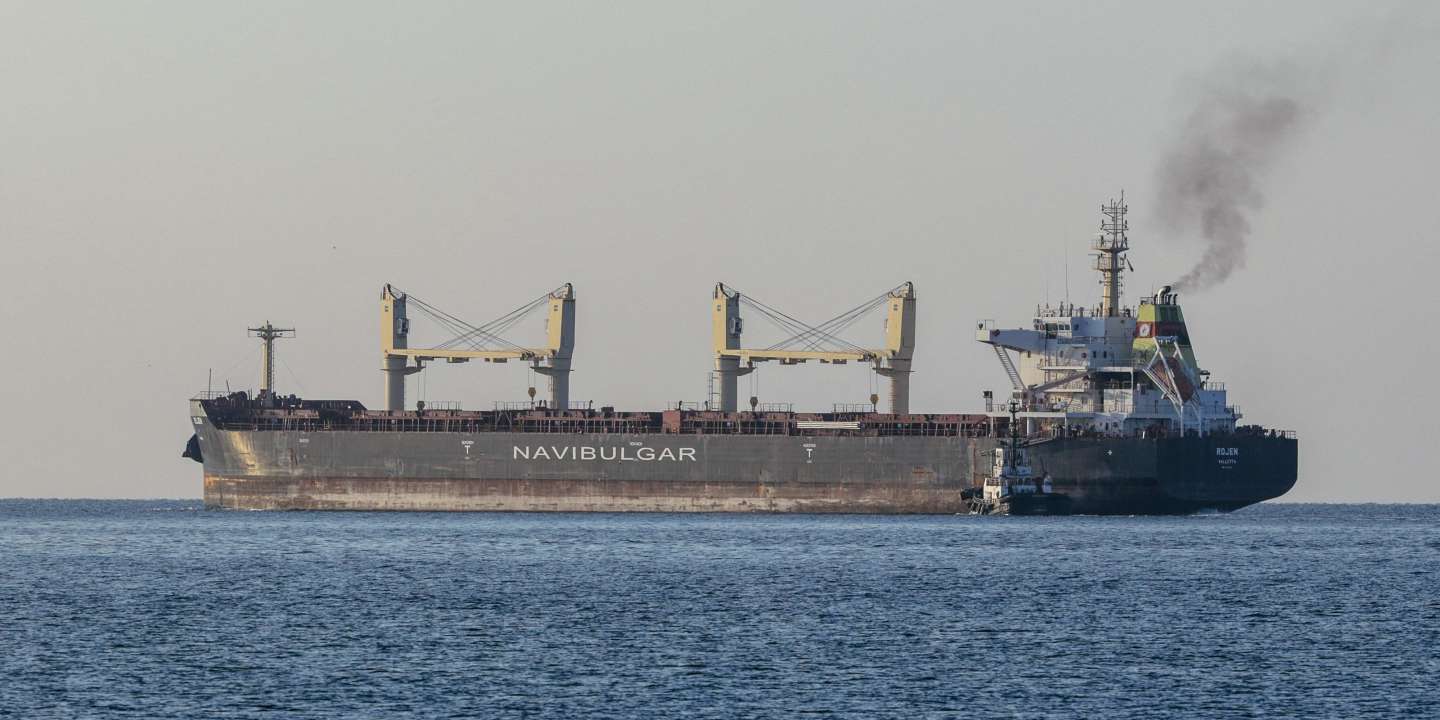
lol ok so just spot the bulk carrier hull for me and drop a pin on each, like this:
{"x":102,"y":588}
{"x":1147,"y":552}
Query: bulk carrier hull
{"x":339,"y":469}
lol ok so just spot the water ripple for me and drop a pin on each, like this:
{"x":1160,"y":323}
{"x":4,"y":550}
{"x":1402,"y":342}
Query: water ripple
{"x":160,"y":609}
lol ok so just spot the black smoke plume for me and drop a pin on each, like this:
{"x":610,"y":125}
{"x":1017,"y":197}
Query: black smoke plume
{"x":1211,"y":178}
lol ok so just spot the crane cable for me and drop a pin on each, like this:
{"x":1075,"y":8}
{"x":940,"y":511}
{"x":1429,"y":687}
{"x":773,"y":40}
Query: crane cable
{"x":465,"y":332}
{"x":508,"y":320}
{"x":799,"y":328}
{"x":840,"y":322}
{"x":815,"y":336}
{"x":480,"y":337}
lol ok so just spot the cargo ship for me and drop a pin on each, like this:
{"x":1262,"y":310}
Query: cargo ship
{"x":1110,"y":404}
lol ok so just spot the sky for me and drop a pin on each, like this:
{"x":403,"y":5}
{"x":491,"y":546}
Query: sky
{"x":172,"y":173}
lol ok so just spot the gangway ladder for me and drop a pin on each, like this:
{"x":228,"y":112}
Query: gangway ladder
{"x":712,"y":390}
{"x":1010,"y":368}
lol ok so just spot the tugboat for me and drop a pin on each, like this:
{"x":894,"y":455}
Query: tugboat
{"x":1013,"y":488}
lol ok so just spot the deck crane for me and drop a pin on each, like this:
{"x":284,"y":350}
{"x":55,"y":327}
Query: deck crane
{"x":815,"y":342}
{"x":478,"y":342}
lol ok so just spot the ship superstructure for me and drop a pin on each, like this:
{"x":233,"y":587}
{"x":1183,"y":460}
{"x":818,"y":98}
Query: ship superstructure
{"x":1110,"y":369}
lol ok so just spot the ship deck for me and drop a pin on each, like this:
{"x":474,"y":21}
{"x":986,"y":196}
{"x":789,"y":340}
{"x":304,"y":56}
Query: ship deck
{"x":348,"y":415}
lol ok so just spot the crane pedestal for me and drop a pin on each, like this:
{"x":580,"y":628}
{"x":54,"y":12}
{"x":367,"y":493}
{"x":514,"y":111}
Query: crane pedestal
{"x":559,"y":373}
{"x":898,"y":373}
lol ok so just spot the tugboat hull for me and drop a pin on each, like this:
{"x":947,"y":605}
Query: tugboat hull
{"x":1023,"y":505}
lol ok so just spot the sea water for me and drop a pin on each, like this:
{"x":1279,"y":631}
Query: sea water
{"x":162,"y":609}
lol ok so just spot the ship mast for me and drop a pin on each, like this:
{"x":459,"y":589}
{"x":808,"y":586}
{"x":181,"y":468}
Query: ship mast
{"x":1110,"y":248}
{"x":268,"y":334}
{"x":1014,"y":450}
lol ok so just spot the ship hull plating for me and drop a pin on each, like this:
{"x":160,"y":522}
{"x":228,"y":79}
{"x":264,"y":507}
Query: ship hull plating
{"x":500,"y":471}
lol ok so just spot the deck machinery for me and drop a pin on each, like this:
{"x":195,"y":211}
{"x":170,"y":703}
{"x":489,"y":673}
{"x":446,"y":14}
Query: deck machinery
{"x":892,"y":361}
{"x":475,"y":343}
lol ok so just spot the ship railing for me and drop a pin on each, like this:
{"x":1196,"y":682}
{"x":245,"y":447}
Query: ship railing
{"x":640,"y":423}
{"x":512,"y":405}
{"x":686,"y":405}
{"x":1060,"y":361}
{"x":440,"y":404}
{"x":774,"y":407}
{"x":1288,"y":435}
{"x":209,"y":395}
{"x":1258,"y":431}
{"x":853,"y":408}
